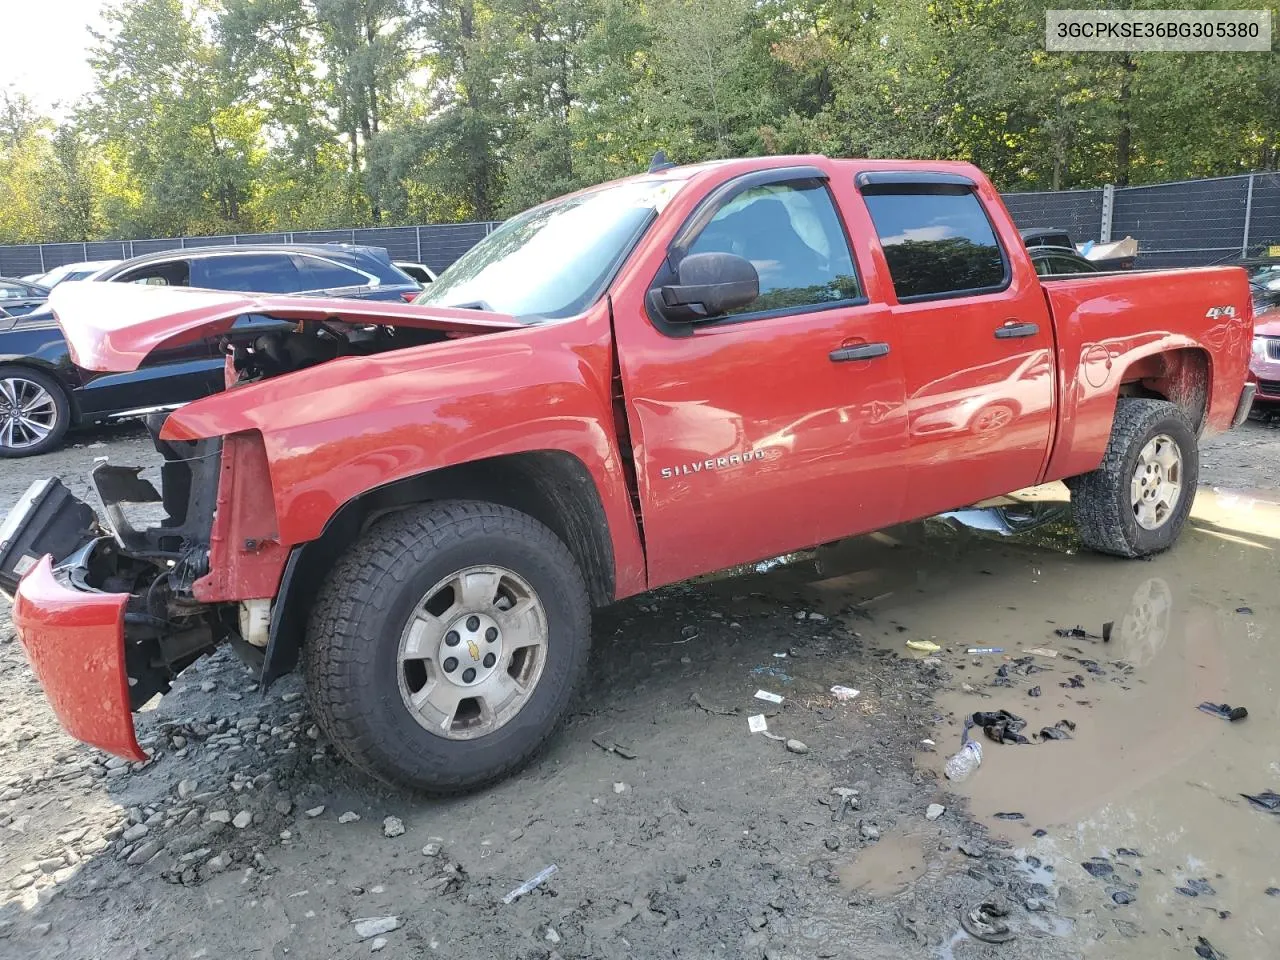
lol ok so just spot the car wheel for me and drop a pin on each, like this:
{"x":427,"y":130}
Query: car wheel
{"x":34,"y":412}
{"x":447,"y":645}
{"x":1137,"y":501}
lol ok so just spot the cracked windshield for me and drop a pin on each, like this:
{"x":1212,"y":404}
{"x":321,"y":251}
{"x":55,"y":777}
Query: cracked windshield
{"x":636,"y":479}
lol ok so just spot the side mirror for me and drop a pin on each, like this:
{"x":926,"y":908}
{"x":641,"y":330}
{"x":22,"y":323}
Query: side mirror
{"x":711,"y":284}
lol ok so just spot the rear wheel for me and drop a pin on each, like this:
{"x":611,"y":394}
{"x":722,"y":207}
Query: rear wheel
{"x":447,"y":645}
{"x":34,"y":412}
{"x":1137,"y":501}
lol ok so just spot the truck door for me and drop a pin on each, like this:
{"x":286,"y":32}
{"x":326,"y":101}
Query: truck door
{"x":976,"y":339}
{"x":780,"y":425}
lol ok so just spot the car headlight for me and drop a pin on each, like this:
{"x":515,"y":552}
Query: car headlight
{"x":1260,"y":347}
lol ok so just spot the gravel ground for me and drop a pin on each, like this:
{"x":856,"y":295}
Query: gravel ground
{"x":675,"y":831}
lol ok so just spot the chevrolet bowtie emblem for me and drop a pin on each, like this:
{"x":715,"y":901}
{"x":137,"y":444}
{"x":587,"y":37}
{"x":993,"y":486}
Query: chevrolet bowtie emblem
{"x":473,"y":648}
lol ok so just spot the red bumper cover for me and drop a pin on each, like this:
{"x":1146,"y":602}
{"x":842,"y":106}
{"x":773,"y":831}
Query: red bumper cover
{"x":75,"y":642}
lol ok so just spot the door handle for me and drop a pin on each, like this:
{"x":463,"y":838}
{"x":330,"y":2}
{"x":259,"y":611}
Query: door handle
{"x":863,"y":351}
{"x":1012,"y":330}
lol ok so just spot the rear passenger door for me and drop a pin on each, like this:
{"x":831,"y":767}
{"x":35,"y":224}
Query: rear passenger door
{"x":268,"y":272}
{"x":319,"y":275}
{"x":976,"y":336}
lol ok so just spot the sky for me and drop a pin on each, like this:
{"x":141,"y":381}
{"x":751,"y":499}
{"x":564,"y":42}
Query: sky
{"x":43,"y":50}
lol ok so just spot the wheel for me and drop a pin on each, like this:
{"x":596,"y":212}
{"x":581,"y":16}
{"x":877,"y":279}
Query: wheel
{"x":1136,"y":502}
{"x":34,"y":411}
{"x":447,"y":645}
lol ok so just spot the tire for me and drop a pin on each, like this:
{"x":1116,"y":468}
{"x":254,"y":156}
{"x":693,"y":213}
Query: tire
{"x":360,"y":685}
{"x":51,"y":413}
{"x":1103,"y":501}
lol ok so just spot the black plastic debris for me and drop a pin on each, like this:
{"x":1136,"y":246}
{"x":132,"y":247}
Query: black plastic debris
{"x":1033,"y":692}
{"x":1040,"y":833}
{"x":1123,"y":897}
{"x":1127,"y":852}
{"x":1010,"y":816}
{"x":1054,"y":733}
{"x":1206,"y":950}
{"x":1076,"y":633}
{"x":1272,"y":891}
{"x":1067,"y":725}
{"x":1268,"y":800}
{"x":1000,"y":726}
{"x":1202,"y":887}
{"x":1224,"y":914}
{"x":985,"y":922}
{"x":1106,"y":631}
{"x":1074,"y":683}
{"x":1247,"y":611}
{"x":1223,"y":710}
{"x":1098,"y":867}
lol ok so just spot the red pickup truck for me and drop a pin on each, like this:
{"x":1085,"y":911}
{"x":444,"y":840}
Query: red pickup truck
{"x":645,"y":381}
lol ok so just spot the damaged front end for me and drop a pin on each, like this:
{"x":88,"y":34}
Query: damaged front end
{"x":107,"y":610}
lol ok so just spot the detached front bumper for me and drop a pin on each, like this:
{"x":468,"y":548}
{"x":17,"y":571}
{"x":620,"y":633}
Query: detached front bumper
{"x":74,"y":639}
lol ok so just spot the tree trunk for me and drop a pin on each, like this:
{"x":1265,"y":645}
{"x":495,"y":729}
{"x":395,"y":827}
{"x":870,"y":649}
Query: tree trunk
{"x":1124,"y":137}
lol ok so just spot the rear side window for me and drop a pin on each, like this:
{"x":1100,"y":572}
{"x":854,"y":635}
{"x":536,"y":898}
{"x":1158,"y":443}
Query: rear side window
{"x":938,"y":242}
{"x":791,"y":233}
{"x":318,"y":274}
{"x":246,"y":273}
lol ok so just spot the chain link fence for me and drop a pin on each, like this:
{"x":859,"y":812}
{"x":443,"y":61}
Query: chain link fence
{"x":1182,"y":224}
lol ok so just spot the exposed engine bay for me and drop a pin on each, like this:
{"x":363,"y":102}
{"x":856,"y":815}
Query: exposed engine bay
{"x":265,"y":348}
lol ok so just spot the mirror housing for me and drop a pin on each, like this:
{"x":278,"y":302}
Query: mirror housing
{"x":711,"y":284}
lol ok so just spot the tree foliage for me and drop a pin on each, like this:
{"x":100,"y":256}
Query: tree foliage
{"x":213,"y":116}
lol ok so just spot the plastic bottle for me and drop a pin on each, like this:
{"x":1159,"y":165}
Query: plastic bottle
{"x":965,"y":761}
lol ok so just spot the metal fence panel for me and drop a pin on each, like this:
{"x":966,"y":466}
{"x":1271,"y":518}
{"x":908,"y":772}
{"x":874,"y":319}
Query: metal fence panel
{"x":141,"y":247}
{"x":106,"y":250}
{"x":401,"y":243}
{"x":1079,"y":212}
{"x":21,"y":260}
{"x":444,"y":243}
{"x":324,"y":236}
{"x":1168,"y":219}
{"x":1264,"y":219}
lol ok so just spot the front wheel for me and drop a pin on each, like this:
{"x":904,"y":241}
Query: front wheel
{"x":447,"y":645}
{"x":1137,"y":501}
{"x":34,"y":412}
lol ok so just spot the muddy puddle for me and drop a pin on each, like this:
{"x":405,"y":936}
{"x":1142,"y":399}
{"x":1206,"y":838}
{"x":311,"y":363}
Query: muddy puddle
{"x":1147,"y":789}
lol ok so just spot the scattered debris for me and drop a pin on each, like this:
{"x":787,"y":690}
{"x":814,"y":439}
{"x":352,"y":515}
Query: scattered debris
{"x":1033,"y":692}
{"x":1123,"y":897}
{"x":768,"y":697}
{"x":843,"y":693}
{"x":1206,"y":951}
{"x":924,"y":646}
{"x":315,"y":811}
{"x":375,"y":926}
{"x":757,"y":723}
{"x":349,"y":817}
{"x":934,"y":811}
{"x":620,"y":787}
{"x":609,"y":746}
{"x":1224,"y":710}
{"x":1196,"y":888}
{"x":984,"y":922}
{"x":1074,"y":683}
{"x":1106,"y":631}
{"x":962,"y":763}
{"x":1098,"y":867}
{"x":1013,"y":815}
{"x":1041,"y":652}
{"x":698,"y":702}
{"x":1076,"y":633}
{"x":1268,"y":800}
{"x":531,"y":884}
{"x":1000,"y":726}
{"x":796,"y":746}
{"x":1247,"y":611}
{"x":392,"y":827}
{"x":977,"y":650}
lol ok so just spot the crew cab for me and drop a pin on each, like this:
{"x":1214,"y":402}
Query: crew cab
{"x":642,"y":382}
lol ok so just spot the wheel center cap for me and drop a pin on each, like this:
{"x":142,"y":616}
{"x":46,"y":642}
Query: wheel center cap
{"x":471,"y":649}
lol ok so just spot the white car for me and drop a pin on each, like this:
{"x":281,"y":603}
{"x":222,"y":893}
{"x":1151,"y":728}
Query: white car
{"x":419,"y":271}
{"x":73,"y":271}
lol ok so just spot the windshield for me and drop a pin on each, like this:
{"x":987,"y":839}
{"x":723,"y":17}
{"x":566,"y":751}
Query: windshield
{"x":553,"y":261}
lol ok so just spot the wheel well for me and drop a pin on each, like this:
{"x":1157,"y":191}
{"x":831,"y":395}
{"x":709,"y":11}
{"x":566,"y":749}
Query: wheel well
{"x":1180,"y":376}
{"x":553,"y":487}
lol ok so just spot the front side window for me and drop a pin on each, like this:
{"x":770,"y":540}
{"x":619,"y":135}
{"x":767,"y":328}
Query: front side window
{"x":938,"y":241}
{"x":792,"y":235}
